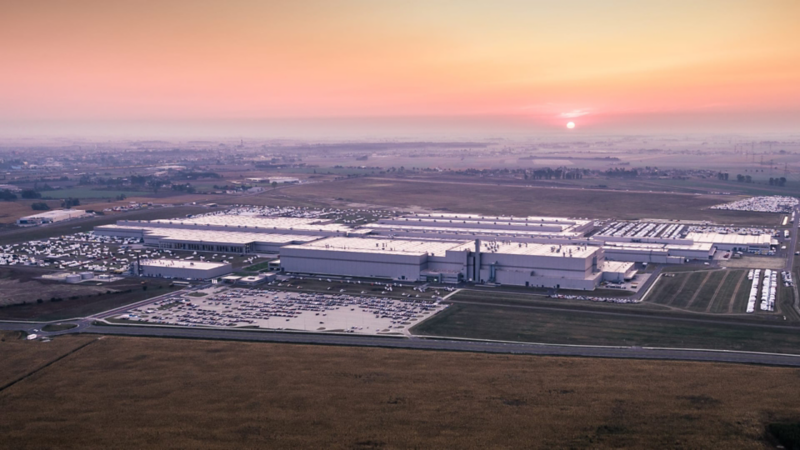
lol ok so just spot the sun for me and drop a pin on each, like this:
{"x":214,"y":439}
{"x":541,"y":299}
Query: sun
{"x":570,"y":125}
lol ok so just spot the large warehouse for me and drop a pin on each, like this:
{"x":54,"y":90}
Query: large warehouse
{"x":513,"y":263}
{"x":523,"y":251}
{"x":466,"y":226}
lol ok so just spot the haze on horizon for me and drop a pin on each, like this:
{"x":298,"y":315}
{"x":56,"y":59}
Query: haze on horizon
{"x":363,"y":68}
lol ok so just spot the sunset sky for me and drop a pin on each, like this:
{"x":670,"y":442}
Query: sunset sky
{"x":247,"y":66}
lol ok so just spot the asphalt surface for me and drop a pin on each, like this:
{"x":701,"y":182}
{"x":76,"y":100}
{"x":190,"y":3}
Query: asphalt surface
{"x":86,"y":326}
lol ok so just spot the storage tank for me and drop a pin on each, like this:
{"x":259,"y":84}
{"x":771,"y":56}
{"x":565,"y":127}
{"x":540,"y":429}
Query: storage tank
{"x":87,"y":275}
{"x":73,"y":278}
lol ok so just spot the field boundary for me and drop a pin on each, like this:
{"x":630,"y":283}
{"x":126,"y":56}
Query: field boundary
{"x":716,"y":291}
{"x":46,"y":365}
{"x":736,"y":291}
{"x":680,"y":288}
{"x":547,"y":344}
{"x":697,"y":292}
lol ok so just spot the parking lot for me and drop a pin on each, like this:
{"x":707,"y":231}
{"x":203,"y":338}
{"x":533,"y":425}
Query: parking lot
{"x":280,"y":310}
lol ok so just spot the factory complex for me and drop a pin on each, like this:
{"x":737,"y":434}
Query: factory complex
{"x":550,"y":252}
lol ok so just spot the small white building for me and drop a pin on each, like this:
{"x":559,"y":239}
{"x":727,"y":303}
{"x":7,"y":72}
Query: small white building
{"x":178,"y":268}
{"x":57,"y":215}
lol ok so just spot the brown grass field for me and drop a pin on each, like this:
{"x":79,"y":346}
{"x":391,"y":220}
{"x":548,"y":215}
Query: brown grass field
{"x":483,"y":198}
{"x":152,"y":393}
{"x":20,"y":291}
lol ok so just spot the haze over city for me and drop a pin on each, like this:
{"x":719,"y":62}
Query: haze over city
{"x":359,"y":68}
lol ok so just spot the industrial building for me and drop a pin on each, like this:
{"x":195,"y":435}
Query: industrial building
{"x":181,"y":269}
{"x":512,"y":263}
{"x":657,"y":253}
{"x":687,"y":240}
{"x":552,"y":252}
{"x":466,"y":226}
{"x":57,"y":215}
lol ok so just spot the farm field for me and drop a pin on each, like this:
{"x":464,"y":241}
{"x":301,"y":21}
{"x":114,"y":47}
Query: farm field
{"x":591,"y":328}
{"x":515,"y":200}
{"x":20,"y":357}
{"x":120,"y":392}
{"x":84,"y":193}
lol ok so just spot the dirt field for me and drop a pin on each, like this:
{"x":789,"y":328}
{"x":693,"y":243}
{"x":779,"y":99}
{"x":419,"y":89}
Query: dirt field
{"x":19,"y":285}
{"x":11,"y":211}
{"x":144,"y":393}
{"x":510,"y":199}
{"x":21,"y":357}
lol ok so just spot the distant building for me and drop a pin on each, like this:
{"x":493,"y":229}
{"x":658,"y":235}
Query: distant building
{"x":57,"y":215}
{"x":183,"y":269}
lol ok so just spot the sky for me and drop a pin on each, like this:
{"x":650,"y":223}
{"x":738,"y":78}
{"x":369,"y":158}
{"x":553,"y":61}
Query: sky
{"x":365,"y":68}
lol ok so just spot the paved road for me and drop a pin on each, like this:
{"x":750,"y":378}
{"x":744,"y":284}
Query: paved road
{"x":424,"y":343}
{"x":792,"y":247}
{"x":793,"y":243}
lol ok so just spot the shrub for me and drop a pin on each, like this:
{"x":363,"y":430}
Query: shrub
{"x":788,"y":434}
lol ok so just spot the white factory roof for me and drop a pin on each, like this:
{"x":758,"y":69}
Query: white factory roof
{"x":530,"y":249}
{"x":699,"y":246}
{"x":617,"y":266}
{"x":56,"y":213}
{"x":183,"y":264}
{"x":232,"y":237}
{"x":478,"y":217}
{"x":381,"y":246}
{"x":241,"y":221}
{"x":381,"y":227}
{"x":738,"y":239}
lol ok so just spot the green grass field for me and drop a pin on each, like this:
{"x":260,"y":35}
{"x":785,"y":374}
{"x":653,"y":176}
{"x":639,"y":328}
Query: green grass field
{"x":683,"y":297}
{"x":706,"y":293}
{"x":586,"y":328}
{"x":701,"y":285}
{"x":723,"y":300}
{"x":740,"y":302}
{"x":83,"y":193}
{"x":666,"y":288}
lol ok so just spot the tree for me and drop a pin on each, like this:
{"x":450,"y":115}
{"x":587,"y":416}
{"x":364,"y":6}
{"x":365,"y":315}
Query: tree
{"x":30,"y":193}
{"x":7,"y":195}
{"x":274,"y":184}
{"x":155,"y":185}
{"x":70,"y":202}
{"x":40,"y":206}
